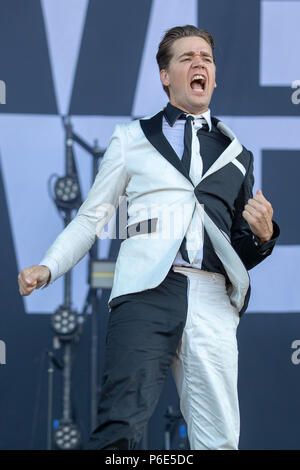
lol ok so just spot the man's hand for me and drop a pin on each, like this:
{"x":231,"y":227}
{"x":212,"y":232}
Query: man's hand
{"x":258,"y":212}
{"x":32,"y":278}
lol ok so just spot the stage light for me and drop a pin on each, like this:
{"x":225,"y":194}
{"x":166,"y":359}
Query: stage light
{"x":64,"y":322}
{"x":66,"y":191}
{"x":67,"y":436}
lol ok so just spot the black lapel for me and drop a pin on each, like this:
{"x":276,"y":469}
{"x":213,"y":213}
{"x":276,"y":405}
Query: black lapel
{"x":152,"y":129}
{"x":214,"y":120}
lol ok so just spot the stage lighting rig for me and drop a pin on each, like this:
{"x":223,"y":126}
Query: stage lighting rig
{"x":65,"y":322}
{"x":67,"y":436}
{"x":67,"y":192}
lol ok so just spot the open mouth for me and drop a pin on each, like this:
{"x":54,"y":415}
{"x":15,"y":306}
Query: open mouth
{"x":198,"y":83}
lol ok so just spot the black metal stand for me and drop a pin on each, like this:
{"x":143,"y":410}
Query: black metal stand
{"x":92,"y":295}
{"x":50,"y":400}
{"x":67,"y":199}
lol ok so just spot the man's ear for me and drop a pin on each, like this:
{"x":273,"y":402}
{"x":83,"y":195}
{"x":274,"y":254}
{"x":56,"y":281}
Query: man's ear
{"x":164,"y":77}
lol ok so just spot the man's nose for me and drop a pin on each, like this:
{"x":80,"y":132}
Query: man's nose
{"x":198,"y":62}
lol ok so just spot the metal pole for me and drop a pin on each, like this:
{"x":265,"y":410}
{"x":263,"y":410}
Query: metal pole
{"x":50,"y":401}
{"x":67,"y":412}
{"x":94,"y":360}
{"x":167,"y":440}
{"x":94,"y":322}
{"x":68,"y":275}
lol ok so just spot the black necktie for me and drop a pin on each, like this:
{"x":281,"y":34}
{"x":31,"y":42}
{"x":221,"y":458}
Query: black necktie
{"x":186,"y":161}
{"x":187,"y":151}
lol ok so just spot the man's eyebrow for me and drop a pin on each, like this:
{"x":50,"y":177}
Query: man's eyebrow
{"x":191,"y":53}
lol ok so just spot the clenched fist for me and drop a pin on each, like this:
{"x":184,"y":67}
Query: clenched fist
{"x":32,"y":278}
{"x":258,"y":212}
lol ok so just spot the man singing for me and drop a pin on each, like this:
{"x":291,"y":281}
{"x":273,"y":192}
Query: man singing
{"x":181,"y":282}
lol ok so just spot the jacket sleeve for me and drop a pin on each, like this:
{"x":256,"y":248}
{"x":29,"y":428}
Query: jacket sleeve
{"x":243,"y":240}
{"x":95,"y":212}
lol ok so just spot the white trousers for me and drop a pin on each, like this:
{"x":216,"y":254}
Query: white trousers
{"x":205,"y":367}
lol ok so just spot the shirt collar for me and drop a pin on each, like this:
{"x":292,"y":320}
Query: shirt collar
{"x":172,"y":113}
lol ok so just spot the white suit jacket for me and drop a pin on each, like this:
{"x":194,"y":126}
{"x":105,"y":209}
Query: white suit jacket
{"x":139,"y":163}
